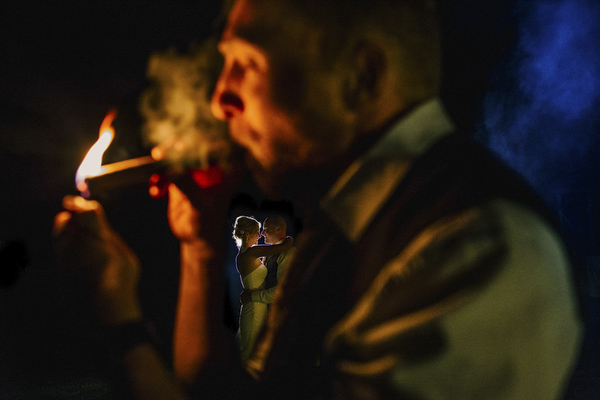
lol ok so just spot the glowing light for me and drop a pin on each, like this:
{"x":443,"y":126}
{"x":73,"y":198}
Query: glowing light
{"x":92,"y":163}
{"x":157,"y":153}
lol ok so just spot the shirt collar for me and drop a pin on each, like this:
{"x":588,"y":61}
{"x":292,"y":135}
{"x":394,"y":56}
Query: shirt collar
{"x":363,"y":188}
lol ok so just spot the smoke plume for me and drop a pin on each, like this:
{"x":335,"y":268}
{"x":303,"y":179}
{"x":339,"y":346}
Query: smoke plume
{"x":176,"y":107}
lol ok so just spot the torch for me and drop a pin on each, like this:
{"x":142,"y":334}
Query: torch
{"x":93,"y":178}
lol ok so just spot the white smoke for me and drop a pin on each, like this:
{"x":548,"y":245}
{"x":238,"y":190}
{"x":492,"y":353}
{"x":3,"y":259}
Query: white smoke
{"x":176,"y":107}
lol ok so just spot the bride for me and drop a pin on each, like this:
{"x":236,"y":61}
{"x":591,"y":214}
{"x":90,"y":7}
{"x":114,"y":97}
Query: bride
{"x":246,"y":233}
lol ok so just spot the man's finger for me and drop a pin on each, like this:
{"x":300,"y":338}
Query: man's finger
{"x":60,"y":221}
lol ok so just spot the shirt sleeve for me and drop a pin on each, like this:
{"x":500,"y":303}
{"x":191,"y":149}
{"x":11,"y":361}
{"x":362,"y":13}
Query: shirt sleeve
{"x":283,"y":260}
{"x":264,"y":296}
{"x":481,"y":305}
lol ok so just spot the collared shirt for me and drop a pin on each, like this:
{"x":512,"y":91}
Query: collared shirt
{"x":516,"y":337}
{"x":365,"y":186}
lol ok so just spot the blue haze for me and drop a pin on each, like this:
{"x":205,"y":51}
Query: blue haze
{"x":542,"y":112}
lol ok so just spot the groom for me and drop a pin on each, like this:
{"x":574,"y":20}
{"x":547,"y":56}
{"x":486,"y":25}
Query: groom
{"x":274,"y":231}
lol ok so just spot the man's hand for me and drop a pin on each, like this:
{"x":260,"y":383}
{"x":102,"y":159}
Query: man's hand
{"x":86,"y":243}
{"x":196,"y":208}
{"x":246,"y":297}
{"x":184,"y":218}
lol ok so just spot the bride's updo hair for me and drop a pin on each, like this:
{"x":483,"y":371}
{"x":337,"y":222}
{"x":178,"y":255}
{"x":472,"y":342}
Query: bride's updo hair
{"x":244,"y":226}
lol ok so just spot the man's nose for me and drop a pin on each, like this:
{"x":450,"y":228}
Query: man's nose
{"x":225,"y":102}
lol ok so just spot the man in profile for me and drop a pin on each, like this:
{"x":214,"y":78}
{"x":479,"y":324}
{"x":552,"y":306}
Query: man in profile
{"x":425,"y":269}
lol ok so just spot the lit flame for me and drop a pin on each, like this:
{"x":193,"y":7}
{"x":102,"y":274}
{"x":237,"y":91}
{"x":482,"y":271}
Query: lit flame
{"x":92,"y":163}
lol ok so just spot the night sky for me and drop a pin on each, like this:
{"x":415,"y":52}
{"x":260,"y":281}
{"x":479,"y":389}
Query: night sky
{"x":64,"y":66}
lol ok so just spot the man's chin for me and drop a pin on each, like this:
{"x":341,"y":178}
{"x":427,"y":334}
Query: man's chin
{"x":286,"y":183}
{"x":261,"y":176}
{"x":270,"y":184}
{"x":276,"y":182}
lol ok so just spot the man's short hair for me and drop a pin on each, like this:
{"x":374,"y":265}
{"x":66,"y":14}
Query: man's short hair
{"x":409,"y":29}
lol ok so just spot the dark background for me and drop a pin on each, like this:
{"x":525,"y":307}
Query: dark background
{"x":65,"y":64}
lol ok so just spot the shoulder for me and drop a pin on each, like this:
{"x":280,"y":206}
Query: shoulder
{"x":486,"y":287}
{"x":286,"y":255}
{"x":290,"y":252}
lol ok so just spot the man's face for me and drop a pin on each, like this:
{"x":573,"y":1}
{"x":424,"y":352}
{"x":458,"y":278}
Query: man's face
{"x":270,"y":233}
{"x":282,"y":106}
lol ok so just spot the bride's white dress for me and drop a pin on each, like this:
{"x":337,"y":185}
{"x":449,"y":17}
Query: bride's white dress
{"x":252,"y":315}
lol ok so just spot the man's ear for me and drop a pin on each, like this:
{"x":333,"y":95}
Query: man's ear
{"x":367,"y":64}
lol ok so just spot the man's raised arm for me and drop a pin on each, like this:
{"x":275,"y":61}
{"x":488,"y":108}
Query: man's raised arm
{"x":205,"y":356}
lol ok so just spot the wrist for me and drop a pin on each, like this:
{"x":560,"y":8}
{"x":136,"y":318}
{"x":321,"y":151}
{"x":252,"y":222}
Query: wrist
{"x":201,"y":267}
{"x":201,"y":252}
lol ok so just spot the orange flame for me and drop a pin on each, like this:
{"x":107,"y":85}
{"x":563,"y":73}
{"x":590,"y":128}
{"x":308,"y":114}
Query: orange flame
{"x":92,"y":163}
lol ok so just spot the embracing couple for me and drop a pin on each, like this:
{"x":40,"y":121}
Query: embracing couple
{"x":261,"y":268}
